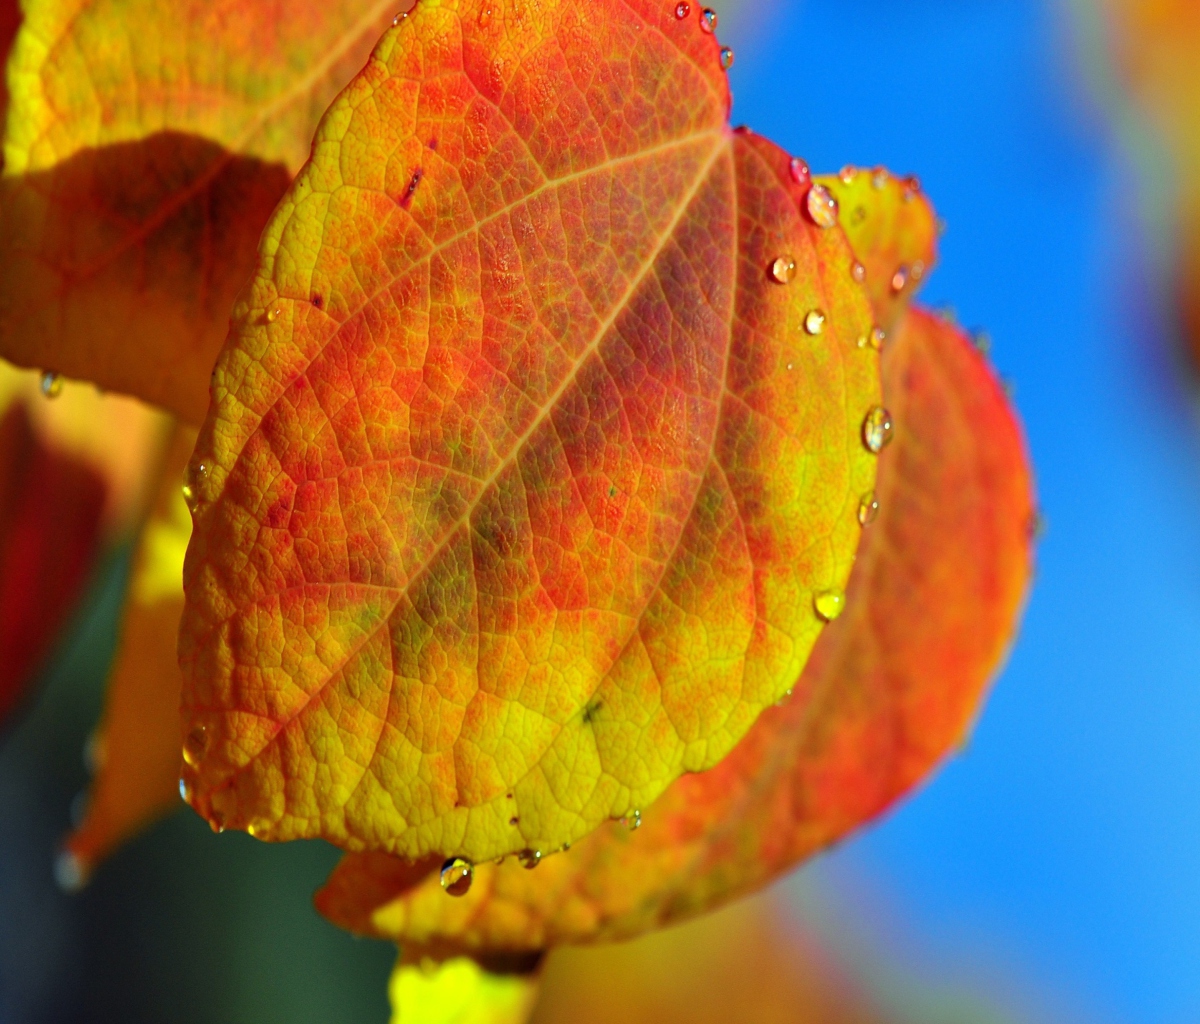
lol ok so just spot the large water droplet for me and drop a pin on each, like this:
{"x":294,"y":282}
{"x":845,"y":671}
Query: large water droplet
{"x":51,"y":384}
{"x":529,"y":859}
{"x":708,"y":19}
{"x":814,"y":322}
{"x":822,"y":207}
{"x":632,"y":820}
{"x":726,"y":58}
{"x":783,"y":269}
{"x":829,"y":604}
{"x":456,"y":876}
{"x":877,"y":429}
{"x":801,"y":175}
{"x":868,"y":509}
{"x":900,"y":279}
{"x":197,"y":476}
{"x":682,"y":9}
{"x":195,"y":745}
{"x":399,"y":18}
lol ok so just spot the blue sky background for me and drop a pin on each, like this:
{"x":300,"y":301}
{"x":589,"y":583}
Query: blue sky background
{"x":1056,"y":864}
{"x":1061,"y":854}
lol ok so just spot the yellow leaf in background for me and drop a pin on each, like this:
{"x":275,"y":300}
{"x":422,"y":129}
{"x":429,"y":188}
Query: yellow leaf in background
{"x":137,"y":776}
{"x":459,"y":991}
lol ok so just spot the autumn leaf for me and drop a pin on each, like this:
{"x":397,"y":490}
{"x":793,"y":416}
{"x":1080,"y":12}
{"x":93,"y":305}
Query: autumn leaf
{"x":893,"y":231}
{"x":147,"y":143}
{"x":459,"y":991}
{"x":1152,"y":48}
{"x":536,"y":448}
{"x":50,"y":528}
{"x":138,"y":738}
{"x":886,"y":694}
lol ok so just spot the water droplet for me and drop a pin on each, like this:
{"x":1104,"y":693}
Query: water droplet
{"x":822,"y":207}
{"x":878,"y":337}
{"x":632,"y":820}
{"x":682,"y":10}
{"x":858,"y":272}
{"x":868,"y":509}
{"x":529,"y":859}
{"x":814,"y":322}
{"x":880,"y":178}
{"x":829,"y":605}
{"x":456,"y":876}
{"x":982,"y":342}
{"x":485,"y":16}
{"x":189,"y":497}
{"x":51,"y":384}
{"x":70,"y":872}
{"x":941,"y":226}
{"x":708,"y":19}
{"x":912,"y":186}
{"x":514,"y":820}
{"x":789,"y":366}
{"x":848,"y":174}
{"x":784,"y":699}
{"x":877,"y":429}
{"x":216,"y":821}
{"x":197,"y":474}
{"x":399,"y":18}
{"x":801,"y":175}
{"x":185,"y":791}
{"x":195,"y":745}
{"x":900,"y":279}
{"x":918,"y":270}
{"x":726,"y":57}
{"x":783,"y":269}
{"x":274,"y":314}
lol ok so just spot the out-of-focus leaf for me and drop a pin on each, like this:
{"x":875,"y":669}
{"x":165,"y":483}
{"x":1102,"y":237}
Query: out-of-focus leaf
{"x":459,"y":991}
{"x":1153,"y":45}
{"x":147,"y":143}
{"x":10,"y":21}
{"x":137,"y":778}
{"x":537,"y":437}
{"x":891,"y":687}
{"x":893,"y":230}
{"x":50,"y":517}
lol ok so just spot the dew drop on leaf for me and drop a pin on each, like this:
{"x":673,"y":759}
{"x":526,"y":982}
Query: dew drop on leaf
{"x":822,"y":207}
{"x":682,"y":9}
{"x":783,"y":269}
{"x":632,"y":820}
{"x":848,"y":174}
{"x":195,"y":745}
{"x":880,"y":178}
{"x":185,"y":791}
{"x":800,"y":172}
{"x":51,"y":384}
{"x":858,"y":272}
{"x":868,"y":509}
{"x":814,"y":322}
{"x":900,"y":279}
{"x":877,"y":429}
{"x":726,"y":57}
{"x":399,"y":18}
{"x":708,"y":19}
{"x":456,"y":876}
{"x":274,"y":314}
{"x":529,"y":859}
{"x":829,"y":604}
{"x":485,"y":16}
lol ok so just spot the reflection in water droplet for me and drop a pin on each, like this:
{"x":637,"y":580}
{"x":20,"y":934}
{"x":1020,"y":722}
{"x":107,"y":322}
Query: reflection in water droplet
{"x":456,"y":876}
{"x":822,"y":207}
{"x":485,"y":16}
{"x":800,"y":172}
{"x":632,"y":820}
{"x":197,"y":475}
{"x":70,"y":872}
{"x":848,"y":174}
{"x":900,"y":279}
{"x":529,"y":859}
{"x":216,"y":821}
{"x":814,"y":322}
{"x":51,"y":384}
{"x":708,"y":19}
{"x":185,"y":790}
{"x":877,"y":429}
{"x":783,"y":269}
{"x":726,"y":57}
{"x":189,"y":496}
{"x":682,"y":9}
{"x":858,"y":272}
{"x":195,"y":745}
{"x":868,"y":509}
{"x":829,"y":604}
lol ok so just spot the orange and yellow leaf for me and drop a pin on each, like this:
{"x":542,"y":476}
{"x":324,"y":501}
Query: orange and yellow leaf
{"x":538,"y":435}
{"x":147,"y":143}
{"x":892,"y":687}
